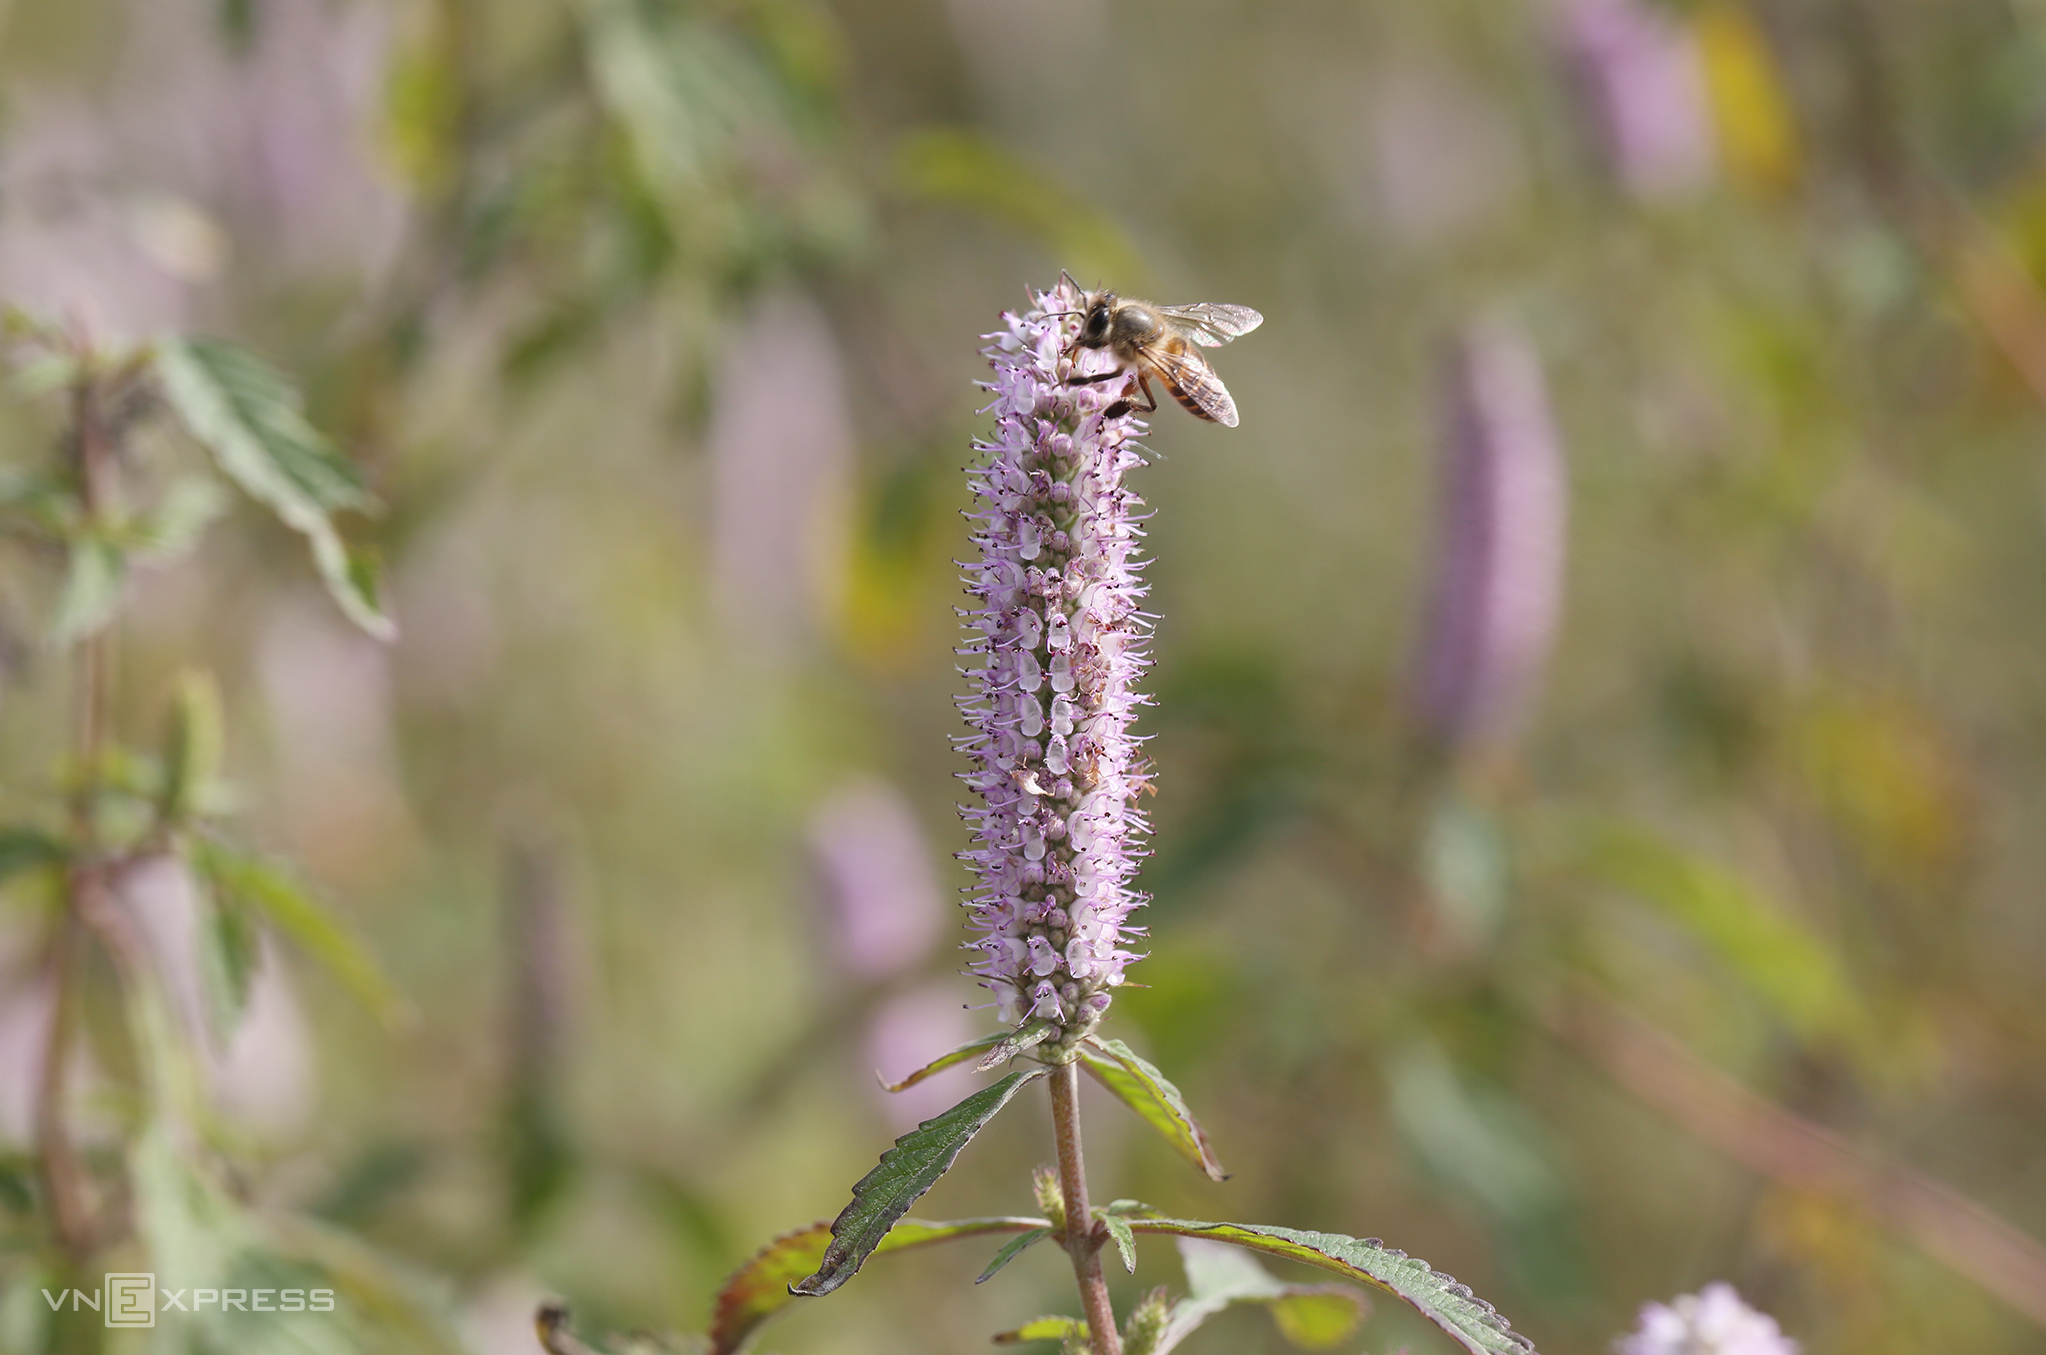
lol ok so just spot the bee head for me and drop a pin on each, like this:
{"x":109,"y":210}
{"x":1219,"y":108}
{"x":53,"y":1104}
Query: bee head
{"x":1100,"y":317}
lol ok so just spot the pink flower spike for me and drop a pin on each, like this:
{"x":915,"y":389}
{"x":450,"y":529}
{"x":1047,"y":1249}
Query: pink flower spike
{"x":1059,"y":643}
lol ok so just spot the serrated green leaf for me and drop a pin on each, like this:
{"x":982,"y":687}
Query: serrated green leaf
{"x":1011,"y":1249}
{"x":1219,"y":1276}
{"x":229,"y":948}
{"x":192,"y":745}
{"x":26,"y":849}
{"x":759,"y":1289}
{"x":1470,"y":1321}
{"x":1069,"y":1329}
{"x":944,"y":1061}
{"x":905,"y":1172}
{"x":253,"y":882}
{"x":1119,"y":1229}
{"x":93,"y":576}
{"x":1144,"y":1089}
{"x":247,"y":414}
{"x":244,"y":412}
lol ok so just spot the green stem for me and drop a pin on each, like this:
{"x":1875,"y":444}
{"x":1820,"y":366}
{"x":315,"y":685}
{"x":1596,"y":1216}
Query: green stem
{"x":1081,"y":1242}
{"x":57,"y":1160}
{"x":62,"y":1170}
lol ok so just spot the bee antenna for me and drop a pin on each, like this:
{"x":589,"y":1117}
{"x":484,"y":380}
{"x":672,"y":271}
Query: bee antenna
{"x":1075,"y":282}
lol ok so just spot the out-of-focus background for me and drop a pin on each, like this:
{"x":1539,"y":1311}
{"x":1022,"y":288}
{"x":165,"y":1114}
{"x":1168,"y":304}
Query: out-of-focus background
{"x":1600,"y":712}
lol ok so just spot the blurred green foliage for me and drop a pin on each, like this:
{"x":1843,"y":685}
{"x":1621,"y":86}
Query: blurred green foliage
{"x":1777,"y":806}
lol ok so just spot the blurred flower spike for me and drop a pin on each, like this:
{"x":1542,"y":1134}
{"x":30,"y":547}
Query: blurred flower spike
{"x":886,"y":907}
{"x":1643,"y":80}
{"x":1713,"y":1322}
{"x":1060,"y":643}
{"x":1497,"y":580}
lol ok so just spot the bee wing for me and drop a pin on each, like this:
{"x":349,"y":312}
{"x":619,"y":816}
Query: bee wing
{"x":1192,"y":382}
{"x":1210,"y":324}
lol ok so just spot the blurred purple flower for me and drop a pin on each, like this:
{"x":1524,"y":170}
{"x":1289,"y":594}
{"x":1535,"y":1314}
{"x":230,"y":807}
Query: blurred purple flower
{"x":1643,"y":81}
{"x":1498,"y":574}
{"x":1713,"y":1322}
{"x":1057,"y":626}
{"x":122,"y":213}
{"x":781,"y":447}
{"x":900,"y":1037}
{"x":885,"y":902}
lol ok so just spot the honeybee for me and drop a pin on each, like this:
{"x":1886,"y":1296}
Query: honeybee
{"x":1159,"y":341}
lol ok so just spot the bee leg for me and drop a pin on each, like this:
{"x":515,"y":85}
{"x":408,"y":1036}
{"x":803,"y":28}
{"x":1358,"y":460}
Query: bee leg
{"x":1125,"y":406}
{"x":1095,"y":379}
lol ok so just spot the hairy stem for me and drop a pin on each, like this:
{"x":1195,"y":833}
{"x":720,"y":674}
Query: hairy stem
{"x":1081,"y":1243}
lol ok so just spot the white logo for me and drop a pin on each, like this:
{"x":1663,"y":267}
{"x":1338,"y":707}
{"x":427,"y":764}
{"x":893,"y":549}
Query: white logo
{"x":131,"y":1300}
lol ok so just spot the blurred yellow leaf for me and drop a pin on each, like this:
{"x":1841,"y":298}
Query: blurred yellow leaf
{"x":1881,"y":770}
{"x":421,"y":107}
{"x":1750,"y":109}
